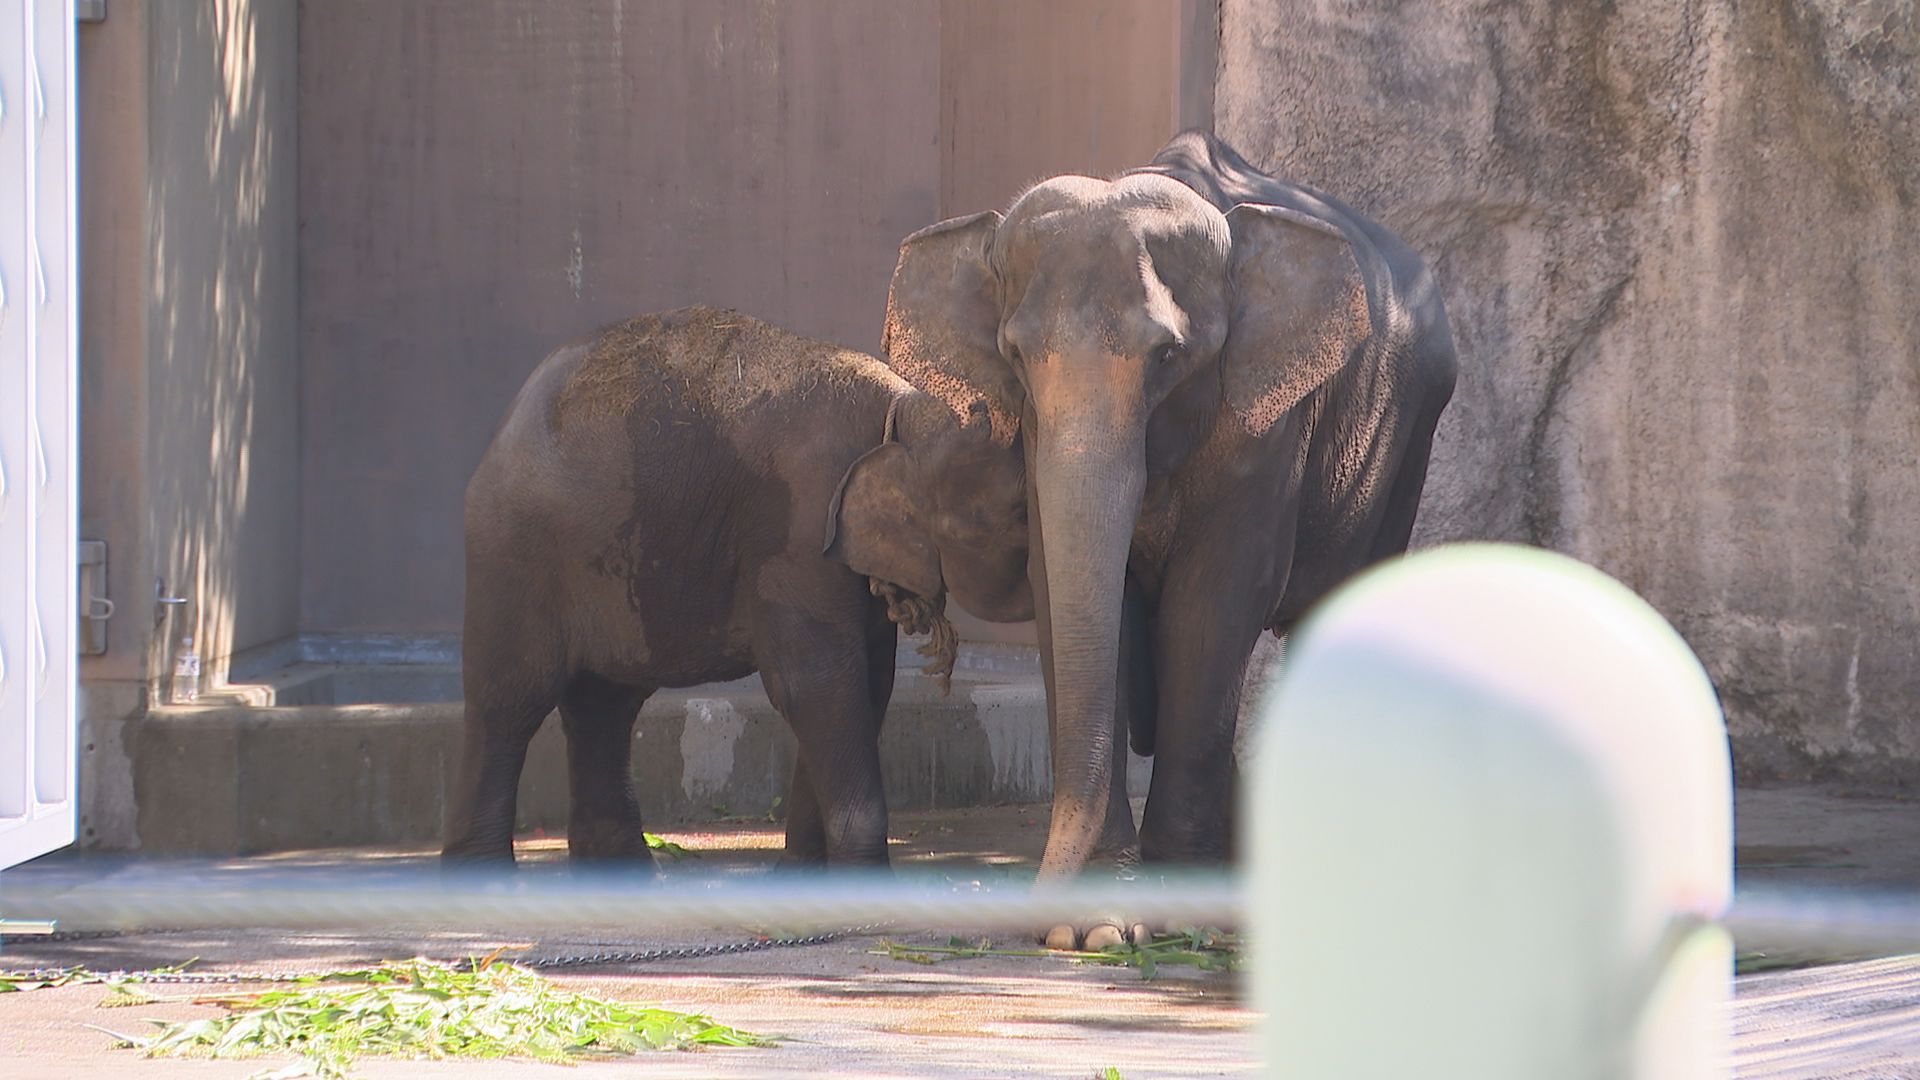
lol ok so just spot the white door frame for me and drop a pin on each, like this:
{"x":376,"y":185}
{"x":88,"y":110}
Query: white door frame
{"x":38,"y":425}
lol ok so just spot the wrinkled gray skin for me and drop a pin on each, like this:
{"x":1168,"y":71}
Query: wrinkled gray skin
{"x":691,"y":497}
{"x":1227,"y":387}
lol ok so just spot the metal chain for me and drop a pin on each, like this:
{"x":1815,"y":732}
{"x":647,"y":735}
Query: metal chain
{"x":696,"y":952}
{"x":195,"y":978}
{"x":85,"y":935}
{"x":49,"y":974}
{"x":634,"y":956}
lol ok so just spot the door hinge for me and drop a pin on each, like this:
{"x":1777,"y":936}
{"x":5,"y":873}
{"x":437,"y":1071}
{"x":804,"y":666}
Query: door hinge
{"x":95,"y":608}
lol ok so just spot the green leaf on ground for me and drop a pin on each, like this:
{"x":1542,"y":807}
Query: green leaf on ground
{"x":125,"y":994}
{"x":668,"y":848}
{"x":1204,"y":948}
{"x":425,"y":1009}
{"x":1753,"y":962}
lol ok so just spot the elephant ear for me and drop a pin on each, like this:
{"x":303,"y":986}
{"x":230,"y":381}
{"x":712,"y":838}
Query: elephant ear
{"x":943,"y":322}
{"x":872,"y":526}
{"x":1300,"y":312}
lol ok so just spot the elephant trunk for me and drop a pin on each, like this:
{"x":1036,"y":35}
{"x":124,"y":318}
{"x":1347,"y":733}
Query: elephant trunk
{"x":1089,"y":474}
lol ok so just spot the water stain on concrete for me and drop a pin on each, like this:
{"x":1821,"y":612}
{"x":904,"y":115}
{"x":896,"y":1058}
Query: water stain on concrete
{"x":706,"y":746}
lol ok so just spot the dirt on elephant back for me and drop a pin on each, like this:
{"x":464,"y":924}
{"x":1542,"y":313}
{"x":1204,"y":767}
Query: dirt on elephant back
{"x":718,"y":361}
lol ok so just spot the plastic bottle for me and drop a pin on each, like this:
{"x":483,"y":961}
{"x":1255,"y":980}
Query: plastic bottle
{"x":186,"y":673}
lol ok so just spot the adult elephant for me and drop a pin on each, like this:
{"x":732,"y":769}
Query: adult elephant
{"x":1225,"y":387}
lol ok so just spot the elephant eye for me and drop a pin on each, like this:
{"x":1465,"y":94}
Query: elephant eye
{"x":1168,"y":353}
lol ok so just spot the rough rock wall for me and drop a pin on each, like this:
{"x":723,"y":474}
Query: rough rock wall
{"x":1677,"y":243}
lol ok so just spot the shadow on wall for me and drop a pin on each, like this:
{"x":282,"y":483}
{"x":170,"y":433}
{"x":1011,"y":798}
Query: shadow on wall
{"x":222,"y":375}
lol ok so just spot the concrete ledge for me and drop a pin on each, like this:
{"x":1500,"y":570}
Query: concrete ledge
{"x":237,"y":779}
{"x":268,"y":663}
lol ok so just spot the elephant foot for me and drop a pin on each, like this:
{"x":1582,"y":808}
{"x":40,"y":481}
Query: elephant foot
{"x":1118,"y":854}
{"x":475,"y":858}
{"x":614,"y":843}
{"x":642,"y":865}
{"x":487,"y":871}
{"x":1123,"y":859}
{"x":1096,"y":936}
{"x":798,"y":862}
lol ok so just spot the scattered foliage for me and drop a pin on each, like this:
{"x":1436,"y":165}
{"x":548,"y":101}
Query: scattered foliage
{"x":48,"y":978}
{"x":1754,"y":961}
{"x":1204,"y":948}
{"x":668,"y":848}
{"x":421,"y":1008}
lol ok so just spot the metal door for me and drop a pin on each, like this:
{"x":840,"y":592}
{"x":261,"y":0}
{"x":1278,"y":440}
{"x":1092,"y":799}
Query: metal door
{"x":37,"y":427}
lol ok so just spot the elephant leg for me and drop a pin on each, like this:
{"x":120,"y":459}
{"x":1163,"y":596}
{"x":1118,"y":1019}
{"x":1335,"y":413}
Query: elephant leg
{"x":508,"y":694}
{"x":806,"y":831}
{"x":604,"y":822}
{"x":1213,"y":608}
{"x":816,"y":674}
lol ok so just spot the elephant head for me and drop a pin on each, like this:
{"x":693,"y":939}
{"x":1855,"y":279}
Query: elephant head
{"x":1078,"y":322}
{"x":938,"y":507}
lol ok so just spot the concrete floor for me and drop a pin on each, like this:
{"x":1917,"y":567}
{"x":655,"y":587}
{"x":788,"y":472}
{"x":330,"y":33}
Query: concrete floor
{"x":847,"y":1012}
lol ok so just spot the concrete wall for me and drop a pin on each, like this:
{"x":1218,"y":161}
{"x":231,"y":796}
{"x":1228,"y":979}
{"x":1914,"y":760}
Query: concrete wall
{"x":1675,"y":242}
{"x":479,"y":182}
{"x":112,"y":87}
{"x":222,"y":346}
{"x":1029,"y":91}
{"x":112,"y":84}
{"x":188,"y":353}
{"x":294,"y":776}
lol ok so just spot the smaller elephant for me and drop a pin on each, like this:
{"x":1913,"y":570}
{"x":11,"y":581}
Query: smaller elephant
{"x":693,"y":496}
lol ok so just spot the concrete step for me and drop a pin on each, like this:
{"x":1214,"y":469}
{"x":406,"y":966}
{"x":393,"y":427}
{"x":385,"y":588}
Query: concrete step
{"x":226,"y":777}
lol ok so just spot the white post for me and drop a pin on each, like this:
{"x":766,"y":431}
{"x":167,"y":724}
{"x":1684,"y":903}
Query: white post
{"x":1491,"y":825}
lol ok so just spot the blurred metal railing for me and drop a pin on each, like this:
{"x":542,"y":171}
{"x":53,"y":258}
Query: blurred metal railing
{"x":158,"y":896}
